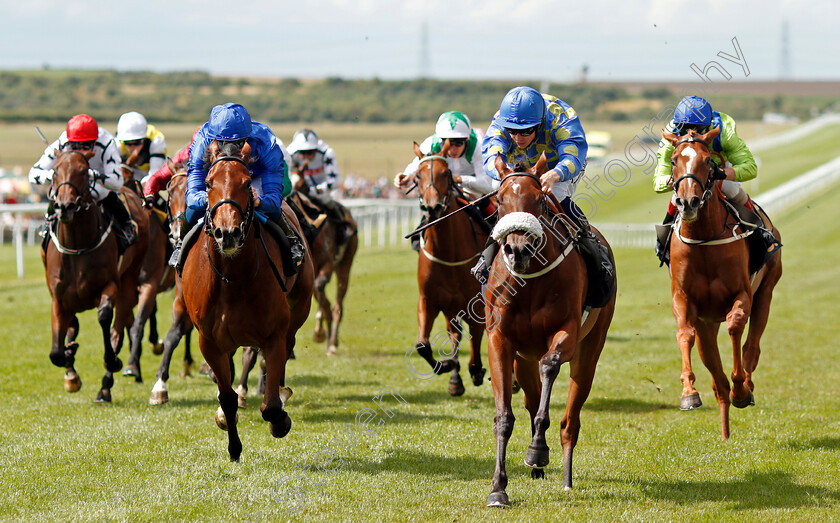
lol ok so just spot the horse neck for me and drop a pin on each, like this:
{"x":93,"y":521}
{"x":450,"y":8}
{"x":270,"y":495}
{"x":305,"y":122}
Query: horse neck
{"x":451,"y":236}
{"x":83,"y":231}
{"x":710,"y":222}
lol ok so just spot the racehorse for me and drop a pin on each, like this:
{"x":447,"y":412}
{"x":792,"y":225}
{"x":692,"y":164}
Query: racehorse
{"x":84,"y":269}
{"x":329,"y":257}
{"x":237,"y":293}
{"x":710,"y":279}
{"x":536,"y":320}
{"x":181,"y":323}
{"x":443,"y":270}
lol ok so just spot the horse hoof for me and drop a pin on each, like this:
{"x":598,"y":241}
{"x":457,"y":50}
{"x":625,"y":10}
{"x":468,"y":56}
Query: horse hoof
{"x":72,"y":381}
{"x":477,"y":374}
{"x":498,"y":499}
{"x":221,"y":421}
{"x":241,"y":399}
{"x":319,"y":336}
{"x":131,"y":370}
{"x":332,"y":350}
{"x":536,"y":458}
{"x":114,"y":366}
{"x":444,"y":366}
{"x":204,"y":369}
{"x":104,"y":396}
{"x":186,"y":371}
{"x":281,"y":428}
{"x":537,"y":473}
{"x":159,"y":397}
{"x":690,"y":402}
{"x":456,"y":386}
{"x":157,"y":348}
{"x":749,"y":401}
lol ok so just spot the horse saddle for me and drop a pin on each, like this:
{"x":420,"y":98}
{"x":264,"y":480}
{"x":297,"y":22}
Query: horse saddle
{"x":310,"y":216}
{"x":761,"y":244}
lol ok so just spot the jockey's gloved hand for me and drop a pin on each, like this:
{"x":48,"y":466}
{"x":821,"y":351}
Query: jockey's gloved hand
{"x":149,"y":201}
{"x":718,"y":173}
{"x":94,"y":175}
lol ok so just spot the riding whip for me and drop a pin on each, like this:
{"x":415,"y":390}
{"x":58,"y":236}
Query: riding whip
{"x":456,"y":211}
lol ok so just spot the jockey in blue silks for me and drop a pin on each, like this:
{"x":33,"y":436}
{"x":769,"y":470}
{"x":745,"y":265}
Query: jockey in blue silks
{"x":232,"y":123}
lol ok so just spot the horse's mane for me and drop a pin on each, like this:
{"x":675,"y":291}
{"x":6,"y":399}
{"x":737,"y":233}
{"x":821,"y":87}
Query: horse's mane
{"x":226,"y":149}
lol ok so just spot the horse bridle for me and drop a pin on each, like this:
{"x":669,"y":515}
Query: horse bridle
{"x":710,"y":181}
{"x":247,"y":214}
{"x":543,"y":202}
{"x":79,"y":193}
{"x":447,"y":173}
{"x":180,"y":215}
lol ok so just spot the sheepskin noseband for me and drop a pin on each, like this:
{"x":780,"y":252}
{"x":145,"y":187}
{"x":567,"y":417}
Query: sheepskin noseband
{"x":517,"y":221}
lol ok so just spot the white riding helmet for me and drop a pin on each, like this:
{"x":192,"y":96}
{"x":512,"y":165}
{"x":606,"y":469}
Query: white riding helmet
{"x":304,"y":140}
{"x":132,"y":126}
{"x":453,"y":124}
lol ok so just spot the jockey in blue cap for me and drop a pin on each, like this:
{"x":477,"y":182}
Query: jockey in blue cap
{"x":734,"y":159}
{"x":528,"y":125}
{"x":231,"y":123}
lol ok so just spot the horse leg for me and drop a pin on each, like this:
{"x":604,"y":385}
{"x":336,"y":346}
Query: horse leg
{"x":707,"y":347}
{"x":105,"y":315}
{"x":501,"y":363}
{"x":426,"y":314}
{"x":527,"y":373}
{"x":226,"y":415}
{"x":690,"y":398}
{"x":146,"y":307}
{"x":456,"y":384}
{"x":758,"y":321}
{"x":736,"y":321}
{"x":272,"y":407}
{"x":342,"y":278}
{"x":249,"y":358}
{"x":72,"y":381}
{"x":60,"y":321}
{"x":181,"y":325}
{"x":477,"y":370}
{"x":188,"y":359}
{"x":323,"y":317}
{"x":561,"y":351}
{"x":154,"y":336}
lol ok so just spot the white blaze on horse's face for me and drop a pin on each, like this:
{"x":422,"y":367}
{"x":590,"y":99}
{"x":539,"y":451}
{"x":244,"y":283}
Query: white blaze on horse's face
{"x":691,"y":154}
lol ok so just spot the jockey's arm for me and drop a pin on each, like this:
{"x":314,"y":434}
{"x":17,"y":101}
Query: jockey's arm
{"x":663,"y":167}
{"x":111,"y":177}
{"x":157,"y":157}
{"x":495,"y":143}
{"x":331,"y":169}
{"x":42,"y":171}
{"x":479,"y":182}
{"x":196,"y":174}
{"x":271,"y":169}
{"x":569,"y":141}
{"x":737,"y":153}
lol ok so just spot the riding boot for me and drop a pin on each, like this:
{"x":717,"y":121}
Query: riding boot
{"x":415,"y":240}
{"x":188,"y":238}
{"x":481,"y":271}
{"x":750,"y":218}
{"x":295,"y":246}
{"x":126,"y":229}
{"x":601,"y":265}
{"x":663,"y":232}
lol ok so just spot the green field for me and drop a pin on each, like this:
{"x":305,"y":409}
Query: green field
{"x":638,"y":458}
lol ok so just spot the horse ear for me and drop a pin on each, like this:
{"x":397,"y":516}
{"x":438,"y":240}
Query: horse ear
{"x":170,"y":165}
{"x":501,"y":166}
{"x":673,"y":138}
{"x":445,"y":148}
{"x":417,"y":150}
{"x":213,"y":149}
{"x":711,"y":135}
{"x":246,"y":152}
{"x":541,"y":166}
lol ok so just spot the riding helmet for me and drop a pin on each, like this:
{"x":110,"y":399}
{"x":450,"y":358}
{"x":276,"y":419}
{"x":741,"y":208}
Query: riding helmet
{"x":521,"y":108}
{"x":693,"y":110}
{"x":453,"y":124}
{"x":82,"y":128}
{"x":229,"y":122}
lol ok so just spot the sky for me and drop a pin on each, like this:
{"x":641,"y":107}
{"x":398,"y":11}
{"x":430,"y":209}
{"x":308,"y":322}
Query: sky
{"x":466,"y":39}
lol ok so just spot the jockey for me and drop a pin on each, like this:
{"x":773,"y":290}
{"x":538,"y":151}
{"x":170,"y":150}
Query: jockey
{"x":142,"y":146}
{"x":695,"y":113}
{"x":84,"y":134}
{"x":463,"y":158}
{"x":232,"y":123}
{"x":527,"y":125}
{"x":315,"y":160}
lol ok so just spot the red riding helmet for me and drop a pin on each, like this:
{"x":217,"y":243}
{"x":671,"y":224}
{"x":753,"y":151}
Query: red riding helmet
{"x":82,"y":128}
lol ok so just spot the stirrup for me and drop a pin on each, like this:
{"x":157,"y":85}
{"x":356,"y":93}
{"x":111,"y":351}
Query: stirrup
{"x":176,"y":253}
{"x":481,"y":272}
{"x":296,"y":250}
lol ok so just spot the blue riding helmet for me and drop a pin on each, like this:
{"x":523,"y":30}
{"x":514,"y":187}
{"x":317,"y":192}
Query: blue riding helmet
{"x":521,"y":108}
{"x":693,"y":110}
{"x":229,"y":122}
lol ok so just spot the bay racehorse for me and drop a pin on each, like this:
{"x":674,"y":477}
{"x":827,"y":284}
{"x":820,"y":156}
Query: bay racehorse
{"x":447,"y":251}
{"x":84,"y":269}
{"x":710,"y":278}
{"x":182,"y":325}
{"x":536,"y":321}
{"x":237,"y":293}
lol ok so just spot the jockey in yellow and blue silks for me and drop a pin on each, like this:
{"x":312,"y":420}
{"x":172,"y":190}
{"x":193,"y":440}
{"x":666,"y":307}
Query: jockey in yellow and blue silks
{"x":231,"y":124}
{"x":695,"y":113}
{"x":527,"y":125}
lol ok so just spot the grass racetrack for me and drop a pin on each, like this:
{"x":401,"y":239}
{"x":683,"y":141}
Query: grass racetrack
{"x":638,"y":458}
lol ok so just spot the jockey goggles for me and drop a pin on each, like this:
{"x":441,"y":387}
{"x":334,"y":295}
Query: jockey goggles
{"x":522,"y":132}
{"x":81,"y":146}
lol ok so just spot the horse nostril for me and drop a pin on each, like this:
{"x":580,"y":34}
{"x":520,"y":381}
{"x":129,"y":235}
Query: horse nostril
{"x":508,"y":249}
{"x":237,"y":234}
{"x":218,"y":234}
{"x":695,"y":202}
{"x":679,"y":202}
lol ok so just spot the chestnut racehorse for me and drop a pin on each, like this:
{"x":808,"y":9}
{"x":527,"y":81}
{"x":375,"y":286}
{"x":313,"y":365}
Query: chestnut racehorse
{"x":236,"y":291}
{"x":710,"y":279}
{"x":535,"y":321}
{"x":84,"y":270}
{"x":181,"y":323}
{"x":447,"y":251}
